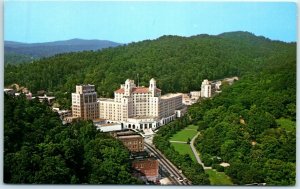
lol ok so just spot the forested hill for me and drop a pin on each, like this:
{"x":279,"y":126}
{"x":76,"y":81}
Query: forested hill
{"x":16,"y":52}
{"x":252,"y":125}
{"x":178,"y":63}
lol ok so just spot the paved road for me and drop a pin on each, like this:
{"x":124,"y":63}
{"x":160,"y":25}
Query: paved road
{"x":196,"y":153}
{"x":168,"y":166}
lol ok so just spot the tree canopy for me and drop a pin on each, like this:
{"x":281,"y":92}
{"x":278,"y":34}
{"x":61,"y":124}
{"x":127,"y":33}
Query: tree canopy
{"x":240,"y":124}
{"x":39,"y":149}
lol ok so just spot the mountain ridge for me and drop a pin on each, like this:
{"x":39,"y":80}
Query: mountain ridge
{"x":47,"y":49}
{"x":56,"y":42}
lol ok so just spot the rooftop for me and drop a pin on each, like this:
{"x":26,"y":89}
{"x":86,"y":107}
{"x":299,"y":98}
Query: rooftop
{"x":8,"y":90}
{"x":98,"y":119}
{"x":131,"y":136}
{"x":45,"y":96}
{"x":129,"y":132}
{"x":63,"y":111}
{"x":170,"y":95}
{"x":106,"y":99}
{"x":109,"y":124}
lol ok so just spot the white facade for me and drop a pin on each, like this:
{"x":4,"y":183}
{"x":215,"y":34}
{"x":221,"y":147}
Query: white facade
{"x":195,"y":95}
{"x":205,"y":89}
{"x":140,"y":107}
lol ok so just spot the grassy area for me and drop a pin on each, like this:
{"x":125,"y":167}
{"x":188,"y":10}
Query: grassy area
{"x":286,"y":124}
{"x":195,"y":127}
{"x":218,"y":178}
{"x":183,"y":135}
{"x":184,"y":149}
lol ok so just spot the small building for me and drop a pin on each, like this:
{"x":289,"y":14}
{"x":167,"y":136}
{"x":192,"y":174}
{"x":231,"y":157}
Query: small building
{"x":135,"y":142}
{"x":186,"y":99}
{"x":165,"y":181}
{"x":109,"y":127}
{"x":218,"y":85}
{"x":9,"y":91}
{"x":195,"y":95}
{"x":181,"y":112}
{"x":230,"y":80}
{"x":50,"y":99}
{"x":64,"y":113}
{"x":147,"y":167}
{"x":70,"y":119}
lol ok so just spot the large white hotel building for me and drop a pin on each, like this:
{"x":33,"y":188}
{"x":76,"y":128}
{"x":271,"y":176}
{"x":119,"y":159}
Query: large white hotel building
{"x":133,"y":107}
{"x":141,"y":108}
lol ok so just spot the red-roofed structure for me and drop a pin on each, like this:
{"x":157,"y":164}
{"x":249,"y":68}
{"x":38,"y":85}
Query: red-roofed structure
{"x":119,"y":91}
{"x":140,"y":90}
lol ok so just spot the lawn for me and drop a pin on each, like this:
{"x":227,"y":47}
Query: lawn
{"x":183,"y":135}
{"x":218,"y":178}
{"x":184,"y":149}
{"x":195,"y":127}
{"x":286,"y":124}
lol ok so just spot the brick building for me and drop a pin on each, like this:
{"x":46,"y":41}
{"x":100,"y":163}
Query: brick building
{"x":135,"y":143}
{"x":147,"y":167}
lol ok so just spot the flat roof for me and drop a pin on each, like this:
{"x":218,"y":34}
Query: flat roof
{"x":109,"y":124}
{"x":63,"y":111}
{"x":71,"y":117}
{"x":131,"y":136}
{"x":171,"y":95}
{"x":125,"y":133}
{"x":106,"y":99}
{"x":99,"y":119}
{"x":48,"y":97}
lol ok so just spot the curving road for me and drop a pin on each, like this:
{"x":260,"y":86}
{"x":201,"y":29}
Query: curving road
{"x":196,"y":153}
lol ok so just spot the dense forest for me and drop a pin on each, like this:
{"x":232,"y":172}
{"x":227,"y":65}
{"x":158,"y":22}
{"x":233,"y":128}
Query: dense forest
{"x":16,"y":58}
{"x":189,"y":59}
{"x":252,"y":125}
{"x":193,"y":171}
{"x":39,"y":149}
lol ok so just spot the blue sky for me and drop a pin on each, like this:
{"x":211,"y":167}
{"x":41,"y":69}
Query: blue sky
{"x":124,"y":22}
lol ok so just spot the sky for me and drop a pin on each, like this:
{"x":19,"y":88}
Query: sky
{"x":125,"y":22}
